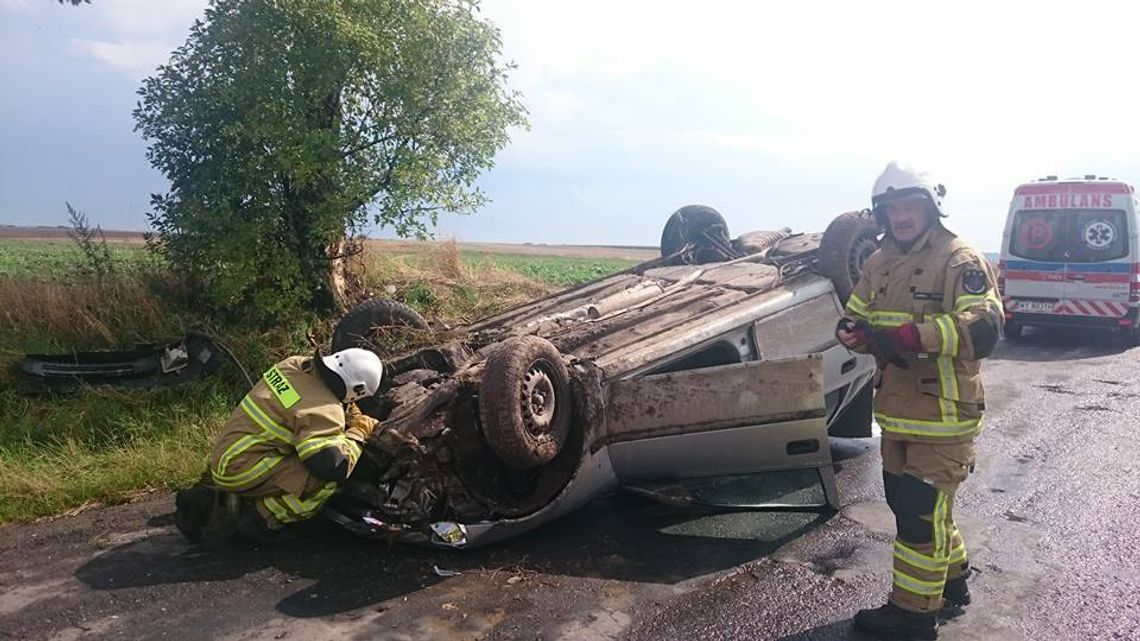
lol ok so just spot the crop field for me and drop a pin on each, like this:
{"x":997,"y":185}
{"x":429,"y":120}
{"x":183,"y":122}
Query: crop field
{"x":47,"y":260}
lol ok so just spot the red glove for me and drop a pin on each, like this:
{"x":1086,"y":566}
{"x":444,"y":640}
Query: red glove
{"x":904,"y":338}
{"x":887,"y":345}
{"x":860,"y":329}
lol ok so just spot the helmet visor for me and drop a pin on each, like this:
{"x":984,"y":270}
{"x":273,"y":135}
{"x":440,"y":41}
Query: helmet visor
{"x":892,"y":195}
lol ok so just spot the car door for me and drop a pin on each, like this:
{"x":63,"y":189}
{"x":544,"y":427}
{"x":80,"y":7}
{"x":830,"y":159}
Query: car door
{"x":1035,"y":274}
{"x":731,"y":420}
{"x":1098,"y":272}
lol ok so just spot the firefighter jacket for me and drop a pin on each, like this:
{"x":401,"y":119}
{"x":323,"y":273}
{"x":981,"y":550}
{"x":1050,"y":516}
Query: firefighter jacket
{"x":949,"y":291}
{"x":290,"y":412}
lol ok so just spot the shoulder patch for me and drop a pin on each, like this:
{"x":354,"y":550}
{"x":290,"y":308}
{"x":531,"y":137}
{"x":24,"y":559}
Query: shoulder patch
{"x":281,"y":387}
{"x":974,"y":281}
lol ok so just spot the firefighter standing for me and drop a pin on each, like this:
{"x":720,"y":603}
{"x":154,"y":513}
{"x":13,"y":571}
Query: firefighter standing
{"x":287,"y":445}
{"x":926,"y":306}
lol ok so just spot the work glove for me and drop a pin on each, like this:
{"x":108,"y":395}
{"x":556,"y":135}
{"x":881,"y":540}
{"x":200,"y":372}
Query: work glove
{"x":888,"y":346}
{"x":359,"y":426}
{"x":861,"y":330}
{"x":895,"y":344}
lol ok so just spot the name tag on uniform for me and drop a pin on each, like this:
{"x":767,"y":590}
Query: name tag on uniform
{"x":927,"y":296}
{"x":281,"y":387}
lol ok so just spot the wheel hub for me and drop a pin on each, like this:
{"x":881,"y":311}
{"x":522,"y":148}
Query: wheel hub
{"x":537,"y":398}
{"x":862,"y":250}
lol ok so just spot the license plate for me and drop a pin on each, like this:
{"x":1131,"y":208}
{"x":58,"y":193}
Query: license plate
{"x":1036,"y":306}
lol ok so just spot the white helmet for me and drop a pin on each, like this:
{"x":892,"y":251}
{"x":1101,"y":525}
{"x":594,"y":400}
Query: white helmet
{"x":360,"y":369}
{"x":900,"y":180}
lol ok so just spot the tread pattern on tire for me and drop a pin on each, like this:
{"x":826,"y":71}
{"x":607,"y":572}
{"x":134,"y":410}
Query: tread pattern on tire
{"x":356,"y":325}
{"x":836,"y":246}
{"x":499,"y":402}
{"x":689,"y":224}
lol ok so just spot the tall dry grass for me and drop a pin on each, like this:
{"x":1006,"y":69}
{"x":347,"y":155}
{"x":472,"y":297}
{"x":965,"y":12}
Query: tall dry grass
{"x":84,"y":312}
{"x":439,"y":282}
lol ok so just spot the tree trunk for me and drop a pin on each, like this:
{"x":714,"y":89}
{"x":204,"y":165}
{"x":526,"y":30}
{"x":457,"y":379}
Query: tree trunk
{"x":340,"y":281}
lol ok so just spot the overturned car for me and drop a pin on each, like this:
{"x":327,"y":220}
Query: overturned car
{"x":715,"y":360}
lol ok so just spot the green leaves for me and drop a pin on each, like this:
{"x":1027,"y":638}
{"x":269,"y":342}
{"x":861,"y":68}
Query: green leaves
{"x":284,"y":125}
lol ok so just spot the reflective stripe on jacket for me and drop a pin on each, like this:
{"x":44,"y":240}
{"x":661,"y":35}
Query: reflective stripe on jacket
{"x":949,"y":291}
{"x":289,"y":412}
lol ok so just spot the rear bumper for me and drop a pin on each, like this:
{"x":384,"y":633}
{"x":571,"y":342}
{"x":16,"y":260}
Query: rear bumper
{"x":1071,"y":320}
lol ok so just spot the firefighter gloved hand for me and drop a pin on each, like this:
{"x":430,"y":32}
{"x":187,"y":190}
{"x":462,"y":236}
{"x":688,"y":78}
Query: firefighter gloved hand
{"x":360,"y":425}
{"x":852,"y":334}
{"x":895,"y":344}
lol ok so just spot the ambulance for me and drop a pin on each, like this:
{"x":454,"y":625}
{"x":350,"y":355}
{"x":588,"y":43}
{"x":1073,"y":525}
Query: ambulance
{"x":1069,"y":257}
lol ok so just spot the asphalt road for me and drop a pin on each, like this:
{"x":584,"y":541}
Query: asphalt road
{"x":1049,"y":517}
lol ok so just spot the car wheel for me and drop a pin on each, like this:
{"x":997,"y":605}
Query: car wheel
{"x":847,"y":243}
{"x":1013,"y":331}
{"x":1132,"y":337}
{"x":358,"y":328}
{"x":700,"y":228}
{"x":524,"y":402}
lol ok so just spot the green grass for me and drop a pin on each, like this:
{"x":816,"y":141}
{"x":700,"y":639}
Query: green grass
{"x":459,"y":286}
{"x":47,"y":260}
{"x":552,"y":270}
{"x":63,"y":450}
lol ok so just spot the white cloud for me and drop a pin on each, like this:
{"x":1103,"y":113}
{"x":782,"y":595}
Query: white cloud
{"x":137,"y":59}
{"x":130,"y":36}
{"x":986,"y":94}
{"x":141,"y":18}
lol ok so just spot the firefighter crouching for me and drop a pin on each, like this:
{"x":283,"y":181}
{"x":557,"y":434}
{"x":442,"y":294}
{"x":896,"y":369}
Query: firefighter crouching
{"x":927,"y":307}
{"x":293,"y":438}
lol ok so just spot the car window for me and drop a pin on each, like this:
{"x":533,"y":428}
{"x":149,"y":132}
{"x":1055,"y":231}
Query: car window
{"x":801,"y":329}
{"x":785,"y":488}
{"x":1069,"y":235}
{"x":716,"y":354}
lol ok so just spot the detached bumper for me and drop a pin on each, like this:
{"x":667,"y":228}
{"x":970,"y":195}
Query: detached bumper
{"x":145,"y":366}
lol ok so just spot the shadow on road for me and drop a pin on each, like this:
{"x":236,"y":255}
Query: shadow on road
{"x":837,"y":631}
{"x":618,"y":537}
{"x":1043,"y":344}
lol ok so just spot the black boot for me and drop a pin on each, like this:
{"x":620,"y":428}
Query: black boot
{"x":252,"y":527}
{"x":893,"y":622}
{"x":955,"y":598}
{"x":193,"y":509}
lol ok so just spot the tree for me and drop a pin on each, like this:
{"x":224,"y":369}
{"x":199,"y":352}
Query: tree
{"x":286,"y":126}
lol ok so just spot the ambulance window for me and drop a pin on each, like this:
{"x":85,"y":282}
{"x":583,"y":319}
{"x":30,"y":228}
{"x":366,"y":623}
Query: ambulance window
{"x":1069,"y":235}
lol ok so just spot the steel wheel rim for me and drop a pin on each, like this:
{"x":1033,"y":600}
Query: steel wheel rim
{"x":862,"y":250}
{"x":537,"y":398}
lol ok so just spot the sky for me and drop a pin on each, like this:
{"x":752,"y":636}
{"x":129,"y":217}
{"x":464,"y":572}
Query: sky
{"x":776,"y":113}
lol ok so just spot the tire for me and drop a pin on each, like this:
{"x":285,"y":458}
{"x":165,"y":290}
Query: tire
{"x":855,"y":421}
{"x":701,"y":227}
{"x":847,"y":243}
{"x":525,"y":403}
{"x":357,"y":328}
{"x":1013,"y":331}
{"x":755,"y":242}
{"x":1132,"y":338}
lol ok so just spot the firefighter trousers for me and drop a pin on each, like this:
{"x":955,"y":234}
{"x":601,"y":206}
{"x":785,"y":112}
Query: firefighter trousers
{"x":920,"y":481}
{"x":288,"y":493}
